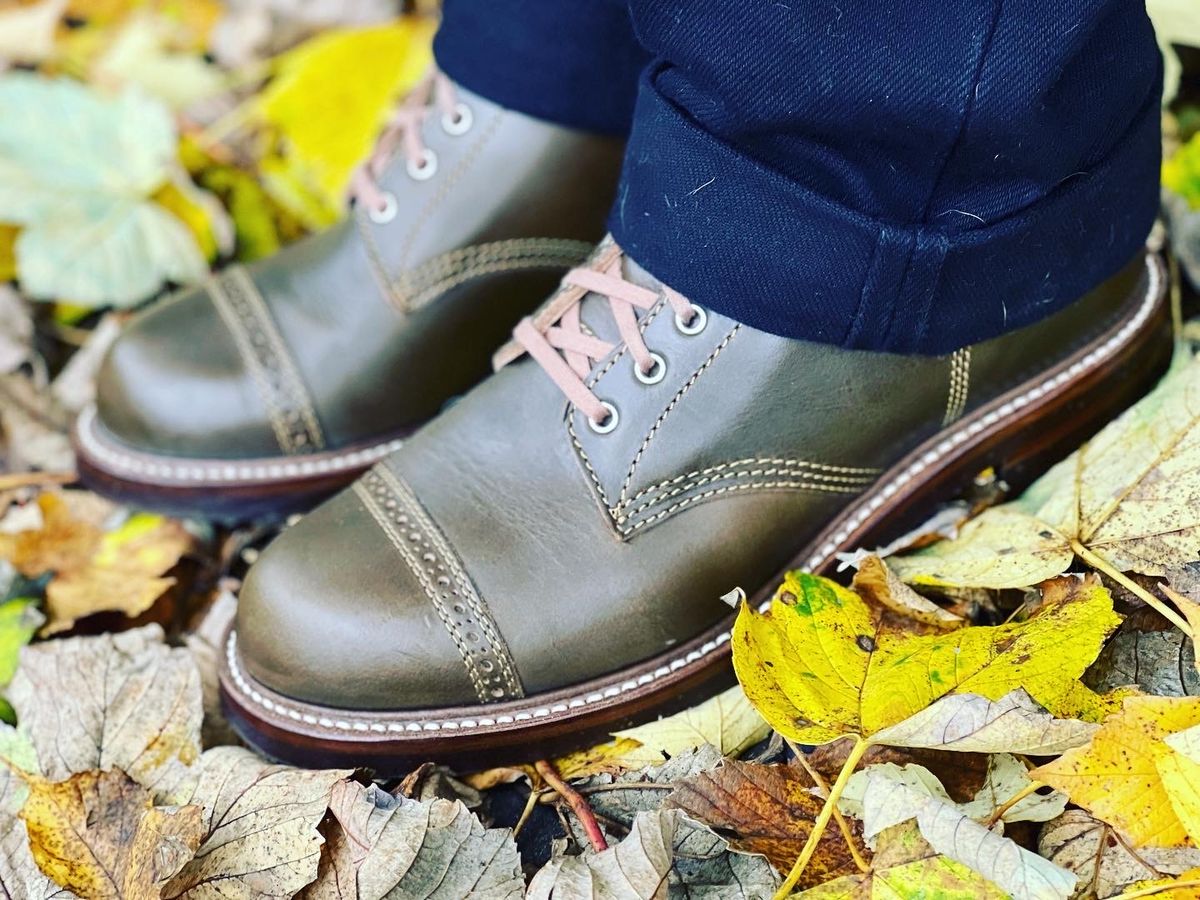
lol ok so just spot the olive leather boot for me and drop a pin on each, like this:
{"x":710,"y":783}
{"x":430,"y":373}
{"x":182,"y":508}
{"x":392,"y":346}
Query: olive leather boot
{"x":544,"y":562}
{"x":277,"y":382}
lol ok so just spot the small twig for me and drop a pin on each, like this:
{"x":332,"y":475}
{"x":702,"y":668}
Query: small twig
{"x":1099,"y":562}
{"x":530,"y":802}
{"x":842,"y":824}
{"x":835,"y":794}
{"x":1032,"y":788}
{"x":16,"y":480}
{"x":628,"y":786}
{"x":576,"y":801}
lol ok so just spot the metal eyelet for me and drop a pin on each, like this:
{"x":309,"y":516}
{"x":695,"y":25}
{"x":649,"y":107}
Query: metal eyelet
{"x":657,"y":372}
{"x":696,"y":325}
{"x":608,"y":423}
{"x":381,"y":216}
{"x":425,"y":169}
{"x":458,"y":122}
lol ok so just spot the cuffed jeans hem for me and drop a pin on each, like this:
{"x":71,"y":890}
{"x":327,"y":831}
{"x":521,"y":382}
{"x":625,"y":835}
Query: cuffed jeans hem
{"x":736,"y":237}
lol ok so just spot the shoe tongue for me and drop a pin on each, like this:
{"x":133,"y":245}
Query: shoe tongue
{"x":596,"y":311}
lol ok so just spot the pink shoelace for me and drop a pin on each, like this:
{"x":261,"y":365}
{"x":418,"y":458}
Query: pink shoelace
{"x":403,"y":131}
{"x":556,"y":340}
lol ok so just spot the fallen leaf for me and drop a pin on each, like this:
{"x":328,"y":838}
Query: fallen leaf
{"x":893,"y":796}
{"x":1116,"y":776}
{"x":122,"y":701}
{"x":260,"y":822}
{"x":767,"y":810}
{"x":16,"y":323}
{"x":27,"y":32}
{"x":389,"y":847}
{"x":728,"y":721}
{"x":93,"y":570}
{"x":1179,"y":769}
{"x":20,"y":877}
{"x":358,"y":72}
{"x":817,"y":667}
{"x":1157,"y":662}
{"x":34,"y":428}
{"x":18,"y":759}
{"x":907,"y":867}
{"x":1103,"y":858}
{"x":876,"y":583}
{"x":142,"y":53}
{"x":19,"y":620}
{"x":973,"y":724}
{"x":76,"y":170}
{"x":1130,"y":495}
{"x":100,"y":835}
{"x":206,"y":643}
{"x":635,"y":868}
{"x":1184,"y":887}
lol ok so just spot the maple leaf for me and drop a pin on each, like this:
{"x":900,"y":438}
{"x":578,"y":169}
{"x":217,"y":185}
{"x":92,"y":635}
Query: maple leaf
{"x":1118,"y":777}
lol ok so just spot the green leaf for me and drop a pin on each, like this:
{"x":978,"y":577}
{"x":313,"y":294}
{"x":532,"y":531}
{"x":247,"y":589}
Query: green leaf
{"x":19,"y":620}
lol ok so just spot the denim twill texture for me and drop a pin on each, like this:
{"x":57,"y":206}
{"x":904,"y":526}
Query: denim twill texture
{"x":903,"y":176}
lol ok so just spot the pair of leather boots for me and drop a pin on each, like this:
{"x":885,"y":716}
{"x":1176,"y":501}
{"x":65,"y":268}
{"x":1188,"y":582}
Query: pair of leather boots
{"x":517,"y":562}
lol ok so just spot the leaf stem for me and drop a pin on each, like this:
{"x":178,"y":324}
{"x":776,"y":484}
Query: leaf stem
{"x":576,"y":801}
{"x":843,"y":826}
{"x":1096,"y":561}
{"x":530,"y":802}
{"x":835,"y":794}
{"x":1031,"y":788}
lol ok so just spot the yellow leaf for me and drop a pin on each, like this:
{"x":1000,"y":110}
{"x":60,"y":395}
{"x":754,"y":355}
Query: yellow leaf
{"x":8,"y":258}
{"x":1181,"y":887}
{"x":94,"y":570}
{"x":818,"y":668}
{"x":1130,"y":496}
{"x":1117,"y":777}
{"x":98,"y":834}
{"x":357,"y":72}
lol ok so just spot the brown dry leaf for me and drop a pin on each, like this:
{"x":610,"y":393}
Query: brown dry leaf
{"x":99,"y":834}
{"x":261,"y":837}
{"x":114,"y":701}
{"x":1117,"y":776}
{"x":876,"y":583}
{"x":638,"y":867}
{"x":20,"y":877}
{"x":96,"y":570}
{"x":767,"y":810}
{"x":1103,"y":858}
{"x":383,"y":846}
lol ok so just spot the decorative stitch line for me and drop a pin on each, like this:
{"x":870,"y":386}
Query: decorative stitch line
{"x":283,"y":392}
{"x":822,"y":555}
{"x":960,"y":380}
{"x":454,"y":597}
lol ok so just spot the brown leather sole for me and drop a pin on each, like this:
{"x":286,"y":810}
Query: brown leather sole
{"x":1019,"y":433}
{"x":225,"y":490}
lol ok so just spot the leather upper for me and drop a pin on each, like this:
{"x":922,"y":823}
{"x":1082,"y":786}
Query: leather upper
{"x":368,"y":328}
{"x":570,"y":554}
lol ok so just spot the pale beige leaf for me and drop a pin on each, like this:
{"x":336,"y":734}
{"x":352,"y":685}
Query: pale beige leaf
{"x":27,"y":32}
{"x":1007,"y":776}
{"x":971,"y":723}
{"x":122,"y":701}
{"x":99,"y":834}
{"x":727,"y":721}
{"x":260,"y":826}
{"x":876,"y":582}
{"x":1103,"y":858}
{"x":20,"y":877}
{"x":206,"y":644}
{"x":635,"y":869}
{"x":890,"y":799}
{"x":389,"y":847}
{"x":18,"y":758}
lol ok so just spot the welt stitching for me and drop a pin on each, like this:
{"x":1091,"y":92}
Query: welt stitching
{"x":430,"y":293}
{"x":670,"y":406}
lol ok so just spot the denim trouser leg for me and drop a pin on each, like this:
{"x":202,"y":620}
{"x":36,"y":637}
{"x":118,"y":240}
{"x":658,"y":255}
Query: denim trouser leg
{"x":902,"y":175}
{"x":574,"y":62}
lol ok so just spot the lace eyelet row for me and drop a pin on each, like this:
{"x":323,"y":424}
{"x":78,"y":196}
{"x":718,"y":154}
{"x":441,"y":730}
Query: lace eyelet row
{"x":656,"y":373}
{"x":456,"y":124}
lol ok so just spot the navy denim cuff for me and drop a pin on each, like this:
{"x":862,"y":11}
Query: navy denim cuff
{"x":733,"y":235}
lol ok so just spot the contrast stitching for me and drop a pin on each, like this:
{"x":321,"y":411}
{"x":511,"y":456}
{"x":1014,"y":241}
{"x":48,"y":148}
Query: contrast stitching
{"x":821,"y":556}
{"x":847,"y":471}
{"x":220,"y":472}
{"x":453,"y":596}
{"x":670,"y":406}
{"x":960,"y":384}
{"x":280,"y":386}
